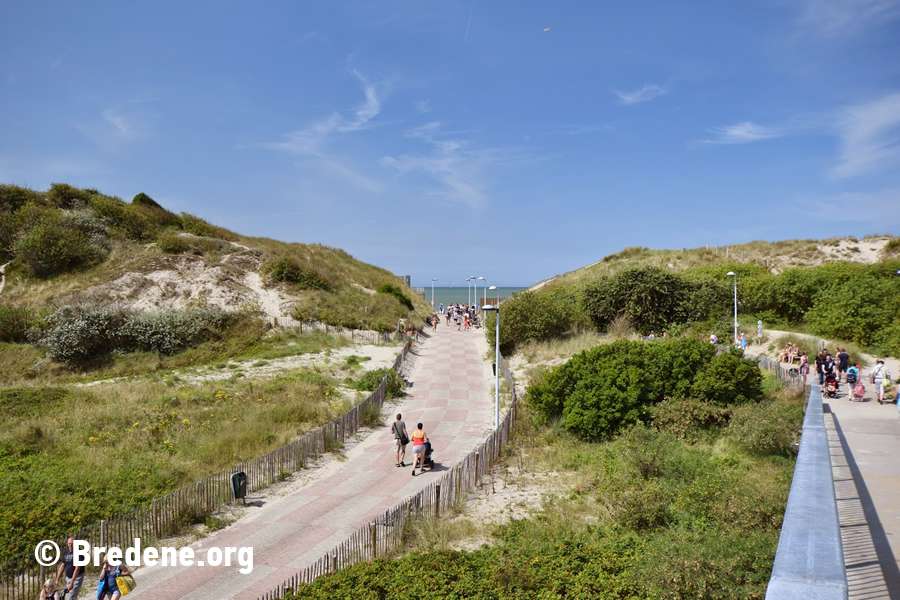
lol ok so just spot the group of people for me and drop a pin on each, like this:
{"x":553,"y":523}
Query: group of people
{"x":464,"y":316}
{"x":832,"y":369}
{"x":789,"y":353}
{"x":107,"y":586}
{"x":421,"y":445}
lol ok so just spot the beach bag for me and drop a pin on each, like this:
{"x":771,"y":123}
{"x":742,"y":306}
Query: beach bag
{"x":125,"y":584}
{"x":859,"y":390}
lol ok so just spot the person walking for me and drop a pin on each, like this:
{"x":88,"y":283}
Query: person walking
{"x":401,"y":438}
{"x":743,"y":342}
{"x":804,"y":367}
{"x":843,"y":360}
{"x":108,"y":586}
{"x":878,"y":376}
{"x":74,"y":576}
{"x":820,"y":362}
{"x":419,"y":438}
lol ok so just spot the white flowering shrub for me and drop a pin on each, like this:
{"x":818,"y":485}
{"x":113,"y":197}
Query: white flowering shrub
{"x":170,"y":331}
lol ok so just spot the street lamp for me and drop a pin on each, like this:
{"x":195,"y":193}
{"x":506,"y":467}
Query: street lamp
{"x":469,"y":290}
{"x":433,"y":279}
{"x":489,"y":308}
{"x":733,"y":275}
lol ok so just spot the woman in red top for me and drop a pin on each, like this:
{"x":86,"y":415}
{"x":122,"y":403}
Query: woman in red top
{"x":418,"y":440}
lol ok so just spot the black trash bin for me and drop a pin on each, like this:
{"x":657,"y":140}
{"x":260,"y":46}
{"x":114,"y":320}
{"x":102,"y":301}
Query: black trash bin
{"x":239,"y":485}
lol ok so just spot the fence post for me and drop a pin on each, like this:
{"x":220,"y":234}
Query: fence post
{"x":373,"y":528}
{"x":103,"y":532}
{"x":437,"y":500}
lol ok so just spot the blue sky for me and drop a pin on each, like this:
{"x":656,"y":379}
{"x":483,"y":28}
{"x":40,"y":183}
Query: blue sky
{"x":441,"y":139}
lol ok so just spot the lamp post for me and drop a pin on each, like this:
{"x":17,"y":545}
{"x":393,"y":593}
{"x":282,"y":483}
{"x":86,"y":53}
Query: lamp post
{"x":733,"y":275}
{"x":468,"y":290}
{"x":433,"y":279}
{"x":489,"y":308}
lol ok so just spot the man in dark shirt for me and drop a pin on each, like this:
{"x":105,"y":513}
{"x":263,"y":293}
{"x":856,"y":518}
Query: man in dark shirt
{"x":820,"y":364}
{"x":74,"y":575}
{"x":843,"y":362}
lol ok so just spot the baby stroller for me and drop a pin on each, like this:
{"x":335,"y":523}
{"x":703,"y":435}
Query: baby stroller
{"x":428,"y":461}
{"x":831,"y":385}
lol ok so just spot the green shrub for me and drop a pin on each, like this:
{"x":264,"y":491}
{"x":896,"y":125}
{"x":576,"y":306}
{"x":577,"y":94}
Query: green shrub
{"x":859,"y":309}
{"x":396,"y":292}
{"x":652,"y":299}
{"x":198,"y":226}
{"x":601,"y":390}
{"x":81,"y":334}
{"x":142,"y":199}
{"x":370,"y":380}
{"x":172,"y":243}
{"x":687,"y":417}
{"x":768,"y":427}
{"x":62,"y":195}
{"x":285,"y":269}
{"x":124,"y":217}
{"x":534,"y":316}
{"x":13,"y":197}
{"x":152,"y":210}
{"x":170,"y":331}
{"x":729,"y":379}
{"x":15,"y":323}
{"x":53,"y":246}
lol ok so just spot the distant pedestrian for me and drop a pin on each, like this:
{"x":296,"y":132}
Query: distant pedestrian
{"x":879,"y":375}
{"x":74,"y":576}
{"x":759,"y":331}
{"x":804,"y":367}
{"x":820,"y":371}
{"x":419,"y":438}
{"x":434,"y":322}
{"x":743,"y":341}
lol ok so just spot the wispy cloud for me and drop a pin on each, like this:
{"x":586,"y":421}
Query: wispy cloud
{"x":311,"y":141}
{"x":456,"y":167}
{"x":741,"y":133}
{"x":840,"y":17}
{"x":643,"y":94}
{"x":115,"y":127}
{"x":870,"y":136}
{"x":879,"y":208}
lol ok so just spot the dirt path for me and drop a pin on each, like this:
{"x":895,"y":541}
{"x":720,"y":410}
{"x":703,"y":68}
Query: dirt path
{"x":450,"y":394}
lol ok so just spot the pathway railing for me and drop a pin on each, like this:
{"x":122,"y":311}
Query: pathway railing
{"x":809,"y":562}
{"x":385,"y":534}
{"x":168,"y":514}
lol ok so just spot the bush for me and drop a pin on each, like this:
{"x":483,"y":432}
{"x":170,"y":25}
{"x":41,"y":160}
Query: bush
{"x":601,"y":390}
{"x":152,"y":210}
{"x":61,"y":195}
{"x":198,"y":226}
{"x":652,"y":299}
{"x":685,"y":418}
{"x":15,"y":323}
{"x":13,"y":197}
{"x":53,"y":246}
{"x":168,"y":332}
{"x":80,"y":334}
{"x":768,"y":427}
{"x":859,"y":309}
{"x":534,"y":316}
{"x":142,"y":199}
{"x":285,"y":269}
{"x":172,"y":243}
{"x":729,"y":379}
{"x":370,"y":380}
{"x":396,"y":292}
{"x":117,"y":214}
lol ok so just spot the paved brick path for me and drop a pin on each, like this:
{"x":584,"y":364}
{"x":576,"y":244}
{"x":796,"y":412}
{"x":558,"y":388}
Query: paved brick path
{"x":451,"y":395}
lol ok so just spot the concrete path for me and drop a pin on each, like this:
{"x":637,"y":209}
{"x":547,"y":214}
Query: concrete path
{"x":865,"y":441}
{"x":450,"y":394}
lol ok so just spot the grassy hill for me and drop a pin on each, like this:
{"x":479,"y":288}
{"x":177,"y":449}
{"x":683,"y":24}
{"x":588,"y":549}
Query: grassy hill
{"x":843,"y":289}
{"x":141,"y":349}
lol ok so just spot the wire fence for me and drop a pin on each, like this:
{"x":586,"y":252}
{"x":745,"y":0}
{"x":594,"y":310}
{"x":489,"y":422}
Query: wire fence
{"x":385,"y":534}
{"x":169,"y":514}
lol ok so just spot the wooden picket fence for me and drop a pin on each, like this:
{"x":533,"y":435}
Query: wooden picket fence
{"x":168,"y":514}
{"x":385,"y":534}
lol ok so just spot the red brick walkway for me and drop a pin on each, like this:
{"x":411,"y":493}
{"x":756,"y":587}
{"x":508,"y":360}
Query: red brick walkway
{"x":451,"y":394}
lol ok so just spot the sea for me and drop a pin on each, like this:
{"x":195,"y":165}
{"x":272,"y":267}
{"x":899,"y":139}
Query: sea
{"x":461,"y":295}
